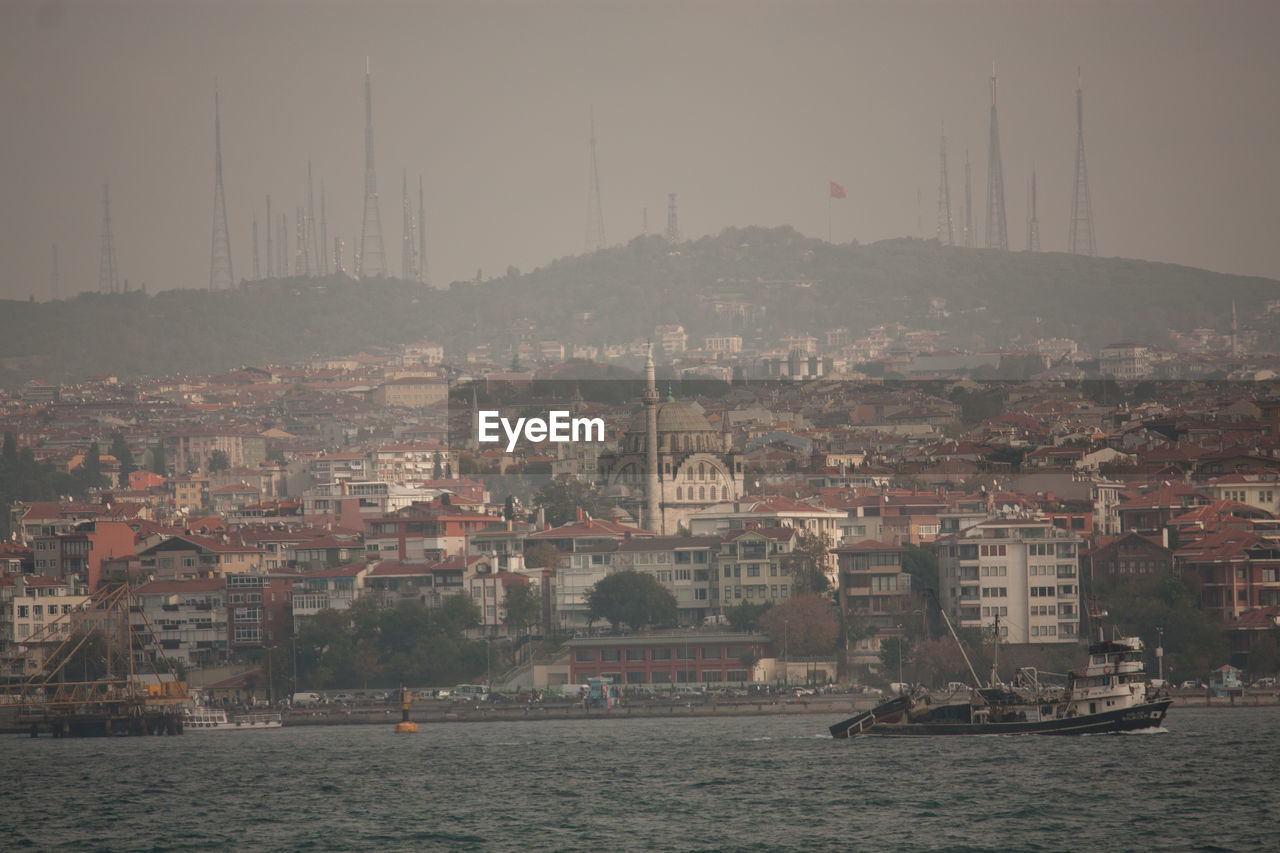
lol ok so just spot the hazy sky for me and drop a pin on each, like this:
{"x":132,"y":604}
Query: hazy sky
{"x":744,"y":109}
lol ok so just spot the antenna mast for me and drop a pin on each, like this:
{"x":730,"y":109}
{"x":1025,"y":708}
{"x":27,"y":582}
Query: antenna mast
{"x":997,"y":227}
{"x":673,"y":222}
{"x":1080,"y":240}
{"x":321,"y":249}
{"x":424,"y":274}
{"x":371,"y":259}
{"x":271,"y":258}
{"x":969,"y":240}
{"x":945,"y":235}
{"x":1033,"y":223}
{"x":595,"y":214}
{"x":408,"y":265}
{"x":256,"y":274}
{"x":53,"y":282}
{"x":220,"y":275}
{"x":108,"y":276}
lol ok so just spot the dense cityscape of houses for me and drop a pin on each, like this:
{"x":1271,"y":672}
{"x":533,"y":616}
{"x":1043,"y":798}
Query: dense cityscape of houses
{"x":251,"y":501}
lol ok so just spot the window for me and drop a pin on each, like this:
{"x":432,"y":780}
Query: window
{"x":584,"y":655}
{"x":660,"y":654}
{"x":635,"y":655}
{"x":610,"y":656}
{"x":686,"y":653}
{"x":711,"y":652}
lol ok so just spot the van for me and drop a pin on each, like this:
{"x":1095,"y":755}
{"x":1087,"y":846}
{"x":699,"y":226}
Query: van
{"x":471,"y":692}
{"x":301,"y":700}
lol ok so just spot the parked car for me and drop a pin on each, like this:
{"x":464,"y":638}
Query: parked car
{"x":1262,"y":683}
{"x":380,"y":696}
{"x":344,"y":698}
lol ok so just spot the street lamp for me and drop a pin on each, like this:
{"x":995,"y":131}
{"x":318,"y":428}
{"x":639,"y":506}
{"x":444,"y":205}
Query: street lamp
{"x":786,"y":670}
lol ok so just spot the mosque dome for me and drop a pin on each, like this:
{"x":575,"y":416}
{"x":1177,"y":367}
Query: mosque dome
{"x":681,"y":428}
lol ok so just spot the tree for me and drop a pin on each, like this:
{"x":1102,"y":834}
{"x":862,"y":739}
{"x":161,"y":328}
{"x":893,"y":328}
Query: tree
{"x":632,"y":598}
{"x":124,"y":455}
{"x":745,"y":616}
{"x":509,"y":509}
{"x":543,"y":555}
{"x":523,"y":606}
{"x":218,"y":461}
{"x":459,"y":612}
{"x":807,"y":564}
{"x":749,"y":660}
{"x":437,"y":467}
{"x":922,"y":565}
{"x":90,"y":471}
{"x":562,"y":497}
{"x":805,"y":624}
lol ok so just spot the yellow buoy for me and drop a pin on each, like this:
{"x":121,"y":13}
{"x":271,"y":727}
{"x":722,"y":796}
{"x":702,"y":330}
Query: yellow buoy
{"x":405,"y":726}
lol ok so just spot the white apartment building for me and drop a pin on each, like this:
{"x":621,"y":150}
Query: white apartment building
{"x":1023,"y":572}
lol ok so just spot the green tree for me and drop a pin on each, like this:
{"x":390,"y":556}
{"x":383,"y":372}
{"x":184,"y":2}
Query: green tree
{"x":807,"y":563}
{"x":745,"y":616}
{"x":218,"y":461}
{"x":922,"y":565}
{"x":458,"y":613}
{"x":157,"y":459}
{"x":893,"y":655}
{"x":509,"y":508}
{"x":90,"y":471}
{"x":542,"y":555}
{"x":523,"y":606}
{"x":562,"y":497}
{"x":124,"y":455}
{"x":631,"y":598}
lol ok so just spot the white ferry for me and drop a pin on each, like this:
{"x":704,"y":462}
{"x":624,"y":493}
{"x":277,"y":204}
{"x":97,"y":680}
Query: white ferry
{"x":202,"y":718}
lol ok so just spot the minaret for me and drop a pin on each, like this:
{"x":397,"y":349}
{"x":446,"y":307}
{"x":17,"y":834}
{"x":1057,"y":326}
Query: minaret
{"x":220,"y":275}
{"x":653,"y":517}
{"x":371,"y":259}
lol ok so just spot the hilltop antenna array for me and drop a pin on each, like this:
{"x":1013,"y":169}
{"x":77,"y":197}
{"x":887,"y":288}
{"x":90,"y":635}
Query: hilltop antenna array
{"x":271,"y":258}
{"x":969,"y":239}
{"x":256,"y":274}
{"x":673,"y":221}
{"x":1080,"y":240}
{"x":408,"y":260}
{"x":301,"y":260}
{"x":424,"y":275}
{"x":315,"y":250}
{"x":371,"y":257}
{"x":220,"y":274}
{"x":997,"y":227}
{"x":324,"y":236}
{"x":945,"y":235}
{"x":1033,"y":224}
{"x":108,"y":275}
{"x":595,"y":213}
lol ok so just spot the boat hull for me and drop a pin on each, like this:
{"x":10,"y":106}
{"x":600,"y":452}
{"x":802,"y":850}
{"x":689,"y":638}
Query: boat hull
{"x":1148,"y":715}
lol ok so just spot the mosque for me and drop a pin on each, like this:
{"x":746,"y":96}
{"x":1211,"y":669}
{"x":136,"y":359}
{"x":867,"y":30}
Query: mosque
{"x":670,"y":463}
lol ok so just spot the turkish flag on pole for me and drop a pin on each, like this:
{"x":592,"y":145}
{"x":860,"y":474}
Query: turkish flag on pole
{"x":837,"y":191}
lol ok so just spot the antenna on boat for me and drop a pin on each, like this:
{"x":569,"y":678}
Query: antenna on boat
{"x":959,"y":645}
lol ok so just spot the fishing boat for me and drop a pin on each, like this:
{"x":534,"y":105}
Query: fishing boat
{"x":1111,"y":693}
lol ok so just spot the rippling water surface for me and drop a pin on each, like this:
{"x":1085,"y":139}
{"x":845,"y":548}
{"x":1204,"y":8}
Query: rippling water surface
{"x":1208,"y":782}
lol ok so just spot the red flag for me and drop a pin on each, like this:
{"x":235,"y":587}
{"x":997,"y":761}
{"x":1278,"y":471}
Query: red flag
{"x":837,"y":191}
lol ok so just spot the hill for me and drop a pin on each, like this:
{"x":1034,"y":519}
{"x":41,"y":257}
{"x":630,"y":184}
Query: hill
{"x":791,"y":283}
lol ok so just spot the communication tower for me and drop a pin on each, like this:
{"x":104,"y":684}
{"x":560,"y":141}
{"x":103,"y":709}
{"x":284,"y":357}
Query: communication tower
{"x":997,"y":227}
{"x":301,"y":260}
{"x":673,"y":222}
{"x":220,"y":275}
{"x":271,"y":258}
{"x":424,"y":275}
{"x":371,"y":258}
{"x":408,"y":233}
{"x":256,"y":275}
{"x":324,"y":236}
{"x":315,"y":249}
{"x":1080,"y":240}
{"x":108,"y":275}
{"x":969,"y":239}
{"x":595,"y":213}
{"x":1033,"y":224}
{"x":53,"y":280}
{"x":945,"y":235}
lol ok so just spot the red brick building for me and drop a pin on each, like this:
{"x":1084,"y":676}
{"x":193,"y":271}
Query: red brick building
{"x":667,"y":659}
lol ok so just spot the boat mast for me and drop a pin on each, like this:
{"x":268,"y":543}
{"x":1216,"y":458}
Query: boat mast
{"x":959,"y":645}
{"x":995,"y":655}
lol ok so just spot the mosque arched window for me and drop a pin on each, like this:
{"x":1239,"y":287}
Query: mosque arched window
{"x":702,"y":493}
{"x":678,"y":495}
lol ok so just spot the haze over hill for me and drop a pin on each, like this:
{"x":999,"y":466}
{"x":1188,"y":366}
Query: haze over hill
{"x":991,"y":300}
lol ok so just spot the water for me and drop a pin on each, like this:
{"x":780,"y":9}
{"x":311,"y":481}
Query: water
{"x":761,"y":783}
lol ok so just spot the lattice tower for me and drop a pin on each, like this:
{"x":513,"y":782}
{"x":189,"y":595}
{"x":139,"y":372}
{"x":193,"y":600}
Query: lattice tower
{"x":673,"y":221}
{"x":945,"y":235}
{"x":1080,"y":238}
{"x":108,"y":275}
{"x":371,"y":259}
{"x":595,"y":213}
{"x":997,"y":226}
{"x":220,"y":274}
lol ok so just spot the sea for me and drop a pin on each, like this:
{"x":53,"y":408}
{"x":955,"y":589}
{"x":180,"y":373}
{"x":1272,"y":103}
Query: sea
{"x":1206,"y":781}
